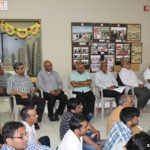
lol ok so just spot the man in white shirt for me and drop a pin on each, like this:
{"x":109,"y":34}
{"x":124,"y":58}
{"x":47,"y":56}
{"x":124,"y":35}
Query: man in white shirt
{"x":105,"y":80}
{"x":73,"y":138}
{"x":129,"y":79}
{"x":147,"y":77}
{"x":30,"y":117}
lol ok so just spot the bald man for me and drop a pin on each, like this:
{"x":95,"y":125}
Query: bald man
{"x":80,"y":81}
{"x":124,"y":101}
{"x":50,"y":82}
{"x":129,"y":79}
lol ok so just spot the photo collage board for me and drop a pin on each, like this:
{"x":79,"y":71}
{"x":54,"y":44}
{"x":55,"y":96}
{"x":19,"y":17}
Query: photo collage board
{"x":96,"y":42}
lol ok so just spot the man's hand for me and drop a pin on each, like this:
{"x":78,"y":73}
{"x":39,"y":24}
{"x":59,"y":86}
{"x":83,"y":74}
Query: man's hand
{"x":141,"y":85}
{"x":1,"y":90}
{"x":58,"y":92}
{"x":110,"y":88}
{"x":23,"y":95}
{"x":53,"y":93}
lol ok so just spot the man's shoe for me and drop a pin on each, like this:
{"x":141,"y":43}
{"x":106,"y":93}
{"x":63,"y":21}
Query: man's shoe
{"x":37,"y":127}
{"x":56,"y":116}
{"x":52,"y":119}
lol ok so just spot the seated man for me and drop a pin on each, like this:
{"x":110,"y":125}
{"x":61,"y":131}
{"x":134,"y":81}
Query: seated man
{"x":21,"y":86}
{"x":3,"y":82}
{"x":129,"y":79}
{"x":105,"y":80}
{"x":147,"y":77}
{"x":74,"y":106}
{"x":29,"y":117}
{"x":139,"y":141}
{"x":81,"y":81}
{"x":121,"y":132}
{"x":15,"y":138}
{"x":125,"y":101}
{"x":73,"y":138}
{"x":49,"y":81}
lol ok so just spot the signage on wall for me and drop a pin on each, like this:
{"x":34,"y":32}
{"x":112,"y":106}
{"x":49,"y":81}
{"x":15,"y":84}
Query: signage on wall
{"x":3,"y":5}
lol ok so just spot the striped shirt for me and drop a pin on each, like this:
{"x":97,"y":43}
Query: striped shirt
{"x":3,"y":80}
{"x":30,"y":146}
{"x":119,"y":133}
{"x":20,"y":84}
{"x":64,"y":125}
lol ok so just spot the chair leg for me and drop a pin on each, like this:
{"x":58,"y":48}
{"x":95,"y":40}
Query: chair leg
{"x":16,"y":113}
{"x":103,"y":107}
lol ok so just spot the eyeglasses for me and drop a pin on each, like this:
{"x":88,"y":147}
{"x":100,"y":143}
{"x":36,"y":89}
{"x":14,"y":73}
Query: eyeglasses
{"x":22,"y":68}
{"x":20,"y":137}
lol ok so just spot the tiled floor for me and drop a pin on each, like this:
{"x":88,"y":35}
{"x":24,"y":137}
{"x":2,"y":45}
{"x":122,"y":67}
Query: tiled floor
{"x":52,"y":128}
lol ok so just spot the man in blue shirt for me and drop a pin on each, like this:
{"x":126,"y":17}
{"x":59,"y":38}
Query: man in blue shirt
{"x":81,"y":81}
{"x":15,"y":138}
{"x":121,"y":131}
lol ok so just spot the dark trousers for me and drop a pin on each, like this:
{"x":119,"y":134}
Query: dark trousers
{"x":44,"y":140}
{"x":51,"y":102}
{"x":112,"y":93}
{"x":88,"y":100}
{"x":31,"y":102}
{"x":142,"y":94}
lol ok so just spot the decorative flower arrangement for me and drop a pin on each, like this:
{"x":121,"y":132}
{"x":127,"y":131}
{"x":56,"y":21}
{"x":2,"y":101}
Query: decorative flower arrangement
{"x":19,"y":32}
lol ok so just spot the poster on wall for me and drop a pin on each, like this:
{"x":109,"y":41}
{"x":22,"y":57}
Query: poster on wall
{"x":94,"y":67}
{"x":111,"y":48}
{"x":110,"y":62}
{"x":136,"y":56}
{"x":134,"y":32}
{"x":82,"y":34}
{"x":123,"y":51}
{"x":102,"y":33}
{"x":80,"y":54}
{"x":119,"y":34}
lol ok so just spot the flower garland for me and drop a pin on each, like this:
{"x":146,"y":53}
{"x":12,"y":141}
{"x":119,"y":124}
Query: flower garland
{"x":22,"y":33}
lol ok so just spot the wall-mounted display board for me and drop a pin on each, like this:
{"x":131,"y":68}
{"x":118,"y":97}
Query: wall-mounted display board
{"x":136,"y":53}
{"x":95,"y":42}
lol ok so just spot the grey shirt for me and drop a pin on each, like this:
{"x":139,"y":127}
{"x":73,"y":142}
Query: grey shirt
{"x":3,"y":80}
{"x":49,"y":81}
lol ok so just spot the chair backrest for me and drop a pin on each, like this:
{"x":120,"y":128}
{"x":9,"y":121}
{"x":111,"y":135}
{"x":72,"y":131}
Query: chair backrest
{"x":120,"y":83}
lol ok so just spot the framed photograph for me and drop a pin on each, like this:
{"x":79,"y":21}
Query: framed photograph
{"x":111,"y":48}
{"x":119,"y":34}
{"x":134,"y":32}
{"x":84,"y":56}
{"x":102,"y":33}
{"x":75,"y":62}
{"x":76,"y":50}
{"x":110,"y":62}
{"x":95,"y":59}
{"x":76,"y":56}
{"x":86,"y":62}
{"x":85,"y":50}
{"x":82,"y":34}
{"x":102,"y":48}
{"x":136,"y":54}
{"x":94,"y":67}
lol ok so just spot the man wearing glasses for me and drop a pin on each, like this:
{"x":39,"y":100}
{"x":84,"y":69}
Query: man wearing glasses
{"x":15,"y":138}
{"x":80,"y":81}
{"x":21,"y":86}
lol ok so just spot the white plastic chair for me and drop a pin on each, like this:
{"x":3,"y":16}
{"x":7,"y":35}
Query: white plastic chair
{"x":15,"y":111}
{"x":101,"y":99}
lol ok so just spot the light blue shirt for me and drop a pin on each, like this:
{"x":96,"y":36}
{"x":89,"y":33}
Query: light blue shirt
{"x":75,"y":76}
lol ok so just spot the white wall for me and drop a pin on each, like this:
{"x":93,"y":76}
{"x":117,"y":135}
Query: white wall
{"x":57,"y":15}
